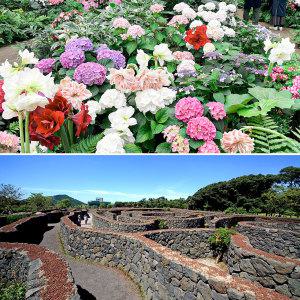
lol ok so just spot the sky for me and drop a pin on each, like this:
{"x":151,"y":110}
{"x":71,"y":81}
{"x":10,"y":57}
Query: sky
{"x":131,"y":178}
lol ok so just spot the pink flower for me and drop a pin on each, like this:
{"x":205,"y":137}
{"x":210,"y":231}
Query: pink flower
{"x":124,"y":80}
{"x":237,"y":141}
{"x":183,"y":55}
{"x":278,"y":69}
{"x":74,"y":92}
{"x":201,"y":128}
{"x":178,"y":20}
{"x":56,"y":2}
{"x":295,"y":88}
{"x":153,"y":79}
{"x":8,"y":142}
{"x":209,"y":147}
{"x":135,"y":31}
{"x":156,"y":8}
{"x":188,"y":108}
{"x":121,"y":23}
{"x":171,"y":133}
{"x":180,"y":145}
{"x":216,"y":110}
{"x":1,"y":95}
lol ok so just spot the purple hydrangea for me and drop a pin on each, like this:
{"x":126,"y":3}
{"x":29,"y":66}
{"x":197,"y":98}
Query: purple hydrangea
{"x":46,"y":65}
{"x":84,"y":44}
{"x":72,"y":58}
{"x":116,"y":56}
{"x":90,"y":73}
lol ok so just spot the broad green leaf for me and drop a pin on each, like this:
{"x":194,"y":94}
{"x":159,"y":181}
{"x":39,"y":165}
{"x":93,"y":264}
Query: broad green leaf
{"x":131,"y":47}
{"x":195,"y":144}
{"x":132,"y":148}
{"x":219,"y":97}
{"x":163,"y":148}
{"x":235,"y":102}
{"x":144,"y":133}
{"x":156,"y":128}
{"x":163,"y":115}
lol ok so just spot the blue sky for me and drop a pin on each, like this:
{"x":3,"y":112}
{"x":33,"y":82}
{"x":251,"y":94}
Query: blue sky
{"x":131,"y":178}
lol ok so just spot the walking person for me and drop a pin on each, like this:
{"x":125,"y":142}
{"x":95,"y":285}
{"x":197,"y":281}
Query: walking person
{"x":278,"y":12}
{"x":86,"y":217}
{"x":255,"y":5}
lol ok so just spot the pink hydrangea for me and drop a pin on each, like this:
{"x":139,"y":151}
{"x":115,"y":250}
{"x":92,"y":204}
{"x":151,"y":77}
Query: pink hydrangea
{"x":8,"y":142}
{"x":171,"y":133}
{"x":237,"y":141}
{"x":217,"y":110}
{"x":124,"y":80}
{"x":201,"y":128}
{"x":183,"y":55}
{"x":188,"y":108}
{"x":55,"y":2}
{"x":121,"y":23}
{"x":156,"y":8}
{"x":178,"y":20}
{"x":72,"y":58}
{"x":180,"y":145}
{"x":295,"y":88}
{"x":46,"y":65}
{"x":135,"y":31}
{"x":209,"y":147}
{"x":90,"y":73}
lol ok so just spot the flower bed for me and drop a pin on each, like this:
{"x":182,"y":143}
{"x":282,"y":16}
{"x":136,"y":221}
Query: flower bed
{"x":180,"y":81}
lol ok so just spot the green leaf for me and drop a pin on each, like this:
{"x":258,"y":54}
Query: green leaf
{"x":219,"y":97}
{"x":131,"y":47}
{"x":249,"y":111}
{"x":156,"y":128}
{"x":87,"y":145}
{"x":163,"y":115}
{"x":144,"y":133}
{"x":94,"y":90}
{"x":132,"y":148}
{"x":159,"y":36}
{"x":296,"y":105}
{"x":195,"y":144}
{"x":234,"y":102}
{"x":219,"y":135}
{"x":163,"y":148}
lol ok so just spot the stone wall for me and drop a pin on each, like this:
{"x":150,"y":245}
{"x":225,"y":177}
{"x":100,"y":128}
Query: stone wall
{"x":192,"y":243}
{"x":271,"y":271}
{"x":44,"y":273}
{"x":270,"y":237}
{"x":161,"y":272}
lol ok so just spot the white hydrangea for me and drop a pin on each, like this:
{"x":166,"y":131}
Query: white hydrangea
{"x":222,"y":5}
{"x":112,"y":98}
{"x":189,"y":13}
{"x":229,"y":31}
{"x":122,"y":118}
{"x":215,"y":33}
{"x":214,"y":23}
{"x":208,"y":47}
{"x":168,"y":95}
{"x":149,"y":100}
{"x":221,"y":15}
{"x":207,"y":15}
{"x":231,"y":8}
{"x":282,"y":52}
{"x":111,"y":143}
{"x":200,"y":8}
{"x":126,"y":135}
{"x":210,"y":6}
{"x":36,"y":147}
{"x":180,"y":7}
{"x":95,"y":108}
{"x":196,"y":23}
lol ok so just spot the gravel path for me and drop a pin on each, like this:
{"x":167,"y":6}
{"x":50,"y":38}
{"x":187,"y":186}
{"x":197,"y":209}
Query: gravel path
{"x":93,"y":281}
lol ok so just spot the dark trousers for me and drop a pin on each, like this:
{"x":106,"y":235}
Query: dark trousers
{"x":256,"y":14}
{"x":277,"y":21}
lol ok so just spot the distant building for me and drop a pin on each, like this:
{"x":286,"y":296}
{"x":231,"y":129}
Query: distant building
{"x":98,"y":202}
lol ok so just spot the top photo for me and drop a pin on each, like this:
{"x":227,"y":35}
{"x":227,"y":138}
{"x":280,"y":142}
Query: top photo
{"x":147,"y":76}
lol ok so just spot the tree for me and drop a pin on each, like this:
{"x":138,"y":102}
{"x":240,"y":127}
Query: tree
{"x":9,"y":195}
{"x":292,"y":199}
{"x":64,"y":203}
{"x":244,"y":191}
{"x":290,"y":176}
{"x":38,"y":202}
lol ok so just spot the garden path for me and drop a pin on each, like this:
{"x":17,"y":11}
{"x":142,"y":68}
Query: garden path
{"x":93,"y":280}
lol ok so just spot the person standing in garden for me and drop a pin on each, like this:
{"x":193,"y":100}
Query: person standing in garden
{"x":278,"y":12}
{"x":256,"y":5}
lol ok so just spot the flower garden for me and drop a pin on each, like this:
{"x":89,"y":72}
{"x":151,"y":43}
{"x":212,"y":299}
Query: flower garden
{"x":151,"y":77}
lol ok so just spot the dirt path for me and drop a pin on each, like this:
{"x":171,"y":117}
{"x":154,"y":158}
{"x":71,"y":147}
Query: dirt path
{"x":93,"y":281}
{"x":8,"y":52}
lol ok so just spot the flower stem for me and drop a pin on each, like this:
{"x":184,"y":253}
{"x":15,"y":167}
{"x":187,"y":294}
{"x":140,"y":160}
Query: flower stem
{"x":70,"y":130}
{"x":21,"y":130}
{"x":64,"y":139}
{"x":270,"y":68}
{"x":27,"y":140}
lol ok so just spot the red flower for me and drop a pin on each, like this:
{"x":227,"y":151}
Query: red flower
{"x":48,"y":121}
{"x":197,"y":38}
{"x":82,"y":120}
{"x":1,"y":95}
{"x":59,"y":103}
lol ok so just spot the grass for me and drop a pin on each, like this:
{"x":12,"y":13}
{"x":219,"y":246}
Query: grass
{"x":15,"y":291}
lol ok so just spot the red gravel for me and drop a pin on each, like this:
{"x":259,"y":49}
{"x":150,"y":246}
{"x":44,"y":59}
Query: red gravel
{"x":55,"y":270}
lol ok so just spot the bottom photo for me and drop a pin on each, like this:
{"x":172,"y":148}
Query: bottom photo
{"x":150,"y":227}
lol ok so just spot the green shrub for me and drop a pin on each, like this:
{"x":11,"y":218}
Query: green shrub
{"x":162,"y":224}
{"x":220,"y":240}
{"x":14,"y":291}
{"x":13,"y":218}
